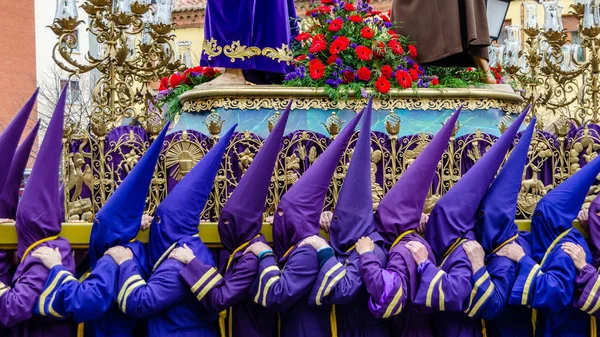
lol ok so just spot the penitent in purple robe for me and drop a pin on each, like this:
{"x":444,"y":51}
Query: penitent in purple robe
{"x":262,"y":28}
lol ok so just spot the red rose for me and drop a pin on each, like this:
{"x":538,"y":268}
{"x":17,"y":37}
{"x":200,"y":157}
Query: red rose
{"x":324,"y":9}
{"x":412,"y":51}
{"x":209,"y":72}
{"x":414,"y":74}
{"x":326,"y":2}
{"x":386,"y":71}
{"x":403,"y":78}
{"x":349,"y":7}
{"x":434,"y":82}
{"x":308,"y":12}
{"x":364,"y":74}
{"x":364,"y":53}
{"x":332,"y":59}
{"x":340,"y":44}
{"x":303,"y":37}
{"x":355,"y":18}
{"x":367,"y":33}
{"x":164,"y":84}
{"x":174,"y":80}
{"x":300,"y":58}
{"x":393,"y":34}
{"x":382,"y":85}
{"x":317,"y":46}
{"x":348,"y":77}
{"x":379,"y":49}
{"x":335,"y":25}
{"x":396,"y":47}
{"x":316,"y":69}
{"x":319,"y":37}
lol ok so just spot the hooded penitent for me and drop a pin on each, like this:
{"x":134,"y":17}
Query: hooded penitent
{"x":178,"y":215}
{"x":118,"y":221}
{"x":39,"y":211}
{"x":353,"y":215}
{"x":594,"y":229}
{"x":241,"y":217}
{"x":453,"y":216}
{"x":9,"y":139}
{"x":9,"y":198}
{"x":400,"y":210}
{"x":556,"y":211}
{"x":496,"y":217}
{"x":298,"y":212}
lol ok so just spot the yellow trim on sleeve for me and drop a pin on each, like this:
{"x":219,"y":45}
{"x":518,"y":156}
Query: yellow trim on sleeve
{"x":505,"y":243}
{"x":48,"y":290}
{"x":35,"y":244}
{"x":482,"y":300}
{"x":401,"y":236}
{"x":267,"y":286}
{"x":164,"y":256}
{"x":3,"y":290}
{"x":131,"y":288}
{"x":591,"y":296}
{"x":395,"y":300}
{"x":130,"y":280}
{"x":527,"y":285}
{"x":242,"y":246}
{"x":478,"y":284}
{"x":437,"y":276}
{"x":264,"y":272}
{"x":595,"y":308}
{"x":209,"y":286}
{"x":334,"y":281}
{"x":324,"y":282}
{"x":203,"y":279}
{"x":441,"y":296}
{"x":50,"y":308}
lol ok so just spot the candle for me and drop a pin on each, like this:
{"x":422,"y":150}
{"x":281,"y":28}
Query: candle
{"x":550,"y":16}
{"x":530,"y":14}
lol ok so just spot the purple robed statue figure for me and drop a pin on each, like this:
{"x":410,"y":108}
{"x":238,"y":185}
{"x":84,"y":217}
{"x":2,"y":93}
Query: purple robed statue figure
{"x":339,"y":285}
{"x":286,"y":288}
{"x":587,"y":283}
{"x":10,"y":180}
{"x":165,"y":298}
{"x":546,"y":280}
{"x":495,"y":228}
{"x":393,"y":289}
{"x":447,"y":288}
{"x":38,"y":222}
{"x":117,"y":223}
{"x":239,"y":227}
{"x":248,"y":35}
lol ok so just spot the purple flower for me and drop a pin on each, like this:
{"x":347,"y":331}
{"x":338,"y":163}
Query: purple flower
{"x":314,"y":14}
{"x":332,"y":83}
{"x":363,"y":93}
{"x":353,"y":45}
{"x":387,"y":24}
{"x":339,"y":62}
{"x":410,"y":62}
{"x":335,"y":37}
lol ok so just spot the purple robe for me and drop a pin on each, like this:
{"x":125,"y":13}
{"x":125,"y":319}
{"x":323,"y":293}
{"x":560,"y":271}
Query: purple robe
{"x":489,"y":298}
{"x":287,"y":290}
{"x":339,"y":284}
{"x":5,"y":278}
{"x":393,"y":290}
{"x":92,"y":301}
{"x":164,"y":298}
{"x":260,"y":27}
{"x":549,"y":288}
{"x":17,"y":301}
{"x":446,"y":290}
{"x":231,"y":292}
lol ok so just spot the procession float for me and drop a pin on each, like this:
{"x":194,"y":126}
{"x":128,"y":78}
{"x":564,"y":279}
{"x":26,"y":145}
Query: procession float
{"x":335,"y":71}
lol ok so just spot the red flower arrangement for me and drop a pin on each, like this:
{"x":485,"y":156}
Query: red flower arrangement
{"x":346,"y":47}
{"x":171,"y":87}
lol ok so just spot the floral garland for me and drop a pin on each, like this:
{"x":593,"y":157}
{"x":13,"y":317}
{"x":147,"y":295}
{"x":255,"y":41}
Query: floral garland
{"x":346,"y":47}
{"x":171,"y":87}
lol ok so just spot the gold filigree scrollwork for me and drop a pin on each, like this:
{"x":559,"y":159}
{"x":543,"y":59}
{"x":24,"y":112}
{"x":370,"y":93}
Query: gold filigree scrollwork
{"x":182,"y":155}
{"x":211,"y":49}
{"x":283,"y":54}
{"x":236,"y":51}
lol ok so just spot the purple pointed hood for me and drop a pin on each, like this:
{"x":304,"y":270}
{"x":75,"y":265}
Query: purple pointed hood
{"x":298,"y":212}
{"x":9,"y":139}
{"x":495,"y":223}
{"x":594,"y":229}
{"x":353,"y":215}
{"x":400,"y":210}
{"x":39,"y":211}
{"x":118,"y":221}
{"x":178,"y":215}
{"x":241,"y":217}
{"x":9,"y":198}
{"x":453,"y":216}
{"x":556,"y":211}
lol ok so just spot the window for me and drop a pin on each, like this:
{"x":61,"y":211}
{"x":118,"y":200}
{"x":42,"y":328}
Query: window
{"x":73,"y":92}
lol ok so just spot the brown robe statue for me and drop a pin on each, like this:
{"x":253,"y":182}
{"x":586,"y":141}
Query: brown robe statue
{"x":446,"y":32}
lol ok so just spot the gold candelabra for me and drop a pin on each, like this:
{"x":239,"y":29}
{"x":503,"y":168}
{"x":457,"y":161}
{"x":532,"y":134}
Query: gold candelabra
{"x":135,"y":48}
